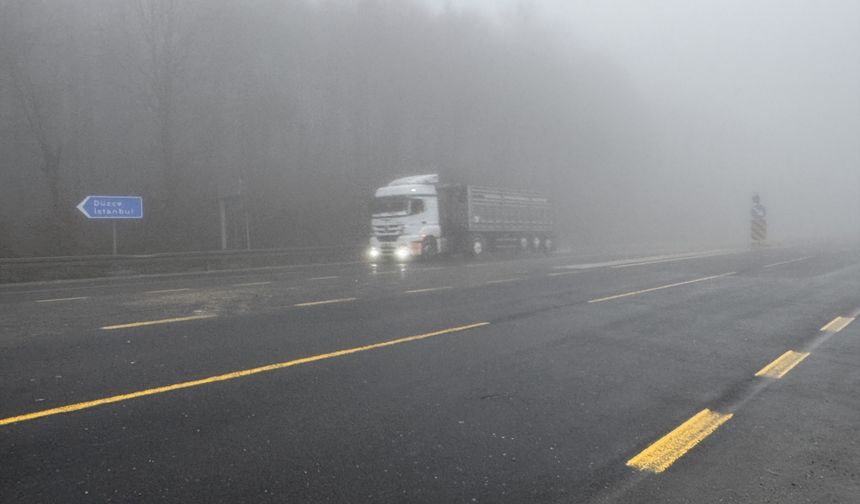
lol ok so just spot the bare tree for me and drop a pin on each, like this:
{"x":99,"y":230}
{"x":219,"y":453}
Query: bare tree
{"x":36,"y":102}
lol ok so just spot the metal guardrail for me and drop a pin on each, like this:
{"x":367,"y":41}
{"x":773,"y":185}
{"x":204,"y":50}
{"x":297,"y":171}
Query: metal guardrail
{"x":30,"y":269}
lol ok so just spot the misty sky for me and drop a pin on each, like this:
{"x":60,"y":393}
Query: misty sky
{"x":759,"y":95}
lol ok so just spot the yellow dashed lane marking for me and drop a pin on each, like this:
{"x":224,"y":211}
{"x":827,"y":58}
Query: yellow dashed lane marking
{"x":665,"y":451}
{"x":837,"y":324}
{"x":231,"y":376}
{"x":155,"y":322}
{"x":653,"y":289}
{"x":783,"y":364}
{"x":326,"y":301}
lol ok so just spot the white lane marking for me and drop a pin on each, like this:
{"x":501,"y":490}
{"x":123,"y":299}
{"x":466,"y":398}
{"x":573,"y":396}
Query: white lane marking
{"x":431,"y":289}
{"x":562,"y":273}
{"x":645,"y":260}
{"x":325,"y":302}
{"x":503,"y":280}
{"x":654,"y":289}
{"x":661,"y":261}
{"x":250,"y":284}
{"x":165,"y":291}
{"x":324,"y":278}
{"x":58,"y":300}
{"x":783,"y":263}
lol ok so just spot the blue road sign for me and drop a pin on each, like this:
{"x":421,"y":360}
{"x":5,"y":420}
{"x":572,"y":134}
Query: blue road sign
{"x":112,"y":207}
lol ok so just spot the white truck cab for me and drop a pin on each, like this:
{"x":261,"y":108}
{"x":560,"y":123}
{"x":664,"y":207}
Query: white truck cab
{"x":405,"y":219}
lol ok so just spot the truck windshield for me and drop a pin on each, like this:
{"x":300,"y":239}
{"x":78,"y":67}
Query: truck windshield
{"x":392,"y":205}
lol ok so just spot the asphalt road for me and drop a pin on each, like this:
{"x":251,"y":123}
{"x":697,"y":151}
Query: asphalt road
{"x":723,"y":376}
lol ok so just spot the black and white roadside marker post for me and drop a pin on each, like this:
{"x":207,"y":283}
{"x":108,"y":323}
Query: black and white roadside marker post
{"x":758,"y":222}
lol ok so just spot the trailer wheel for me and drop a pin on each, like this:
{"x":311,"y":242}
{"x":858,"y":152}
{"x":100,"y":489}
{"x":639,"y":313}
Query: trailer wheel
{"x":524,"y":243}
{"x":477,"y":245}
{"x":536,"y":243}
{"x":548,"y":244}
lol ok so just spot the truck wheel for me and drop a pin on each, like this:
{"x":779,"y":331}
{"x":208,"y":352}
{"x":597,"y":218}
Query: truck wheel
{"x":429,"y":248}
{"x":548,"y":244}
{"x":524,"y":244}
{"x":477,"y":245}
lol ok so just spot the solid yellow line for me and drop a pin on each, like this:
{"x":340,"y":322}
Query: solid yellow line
{"x":665,"y":451}
{"x":327,"y":301}
{"x":783,"y":364}
{"x":57,"y":300}
{"x":231,"y":376}
{"x":645,"y":291}
{"x":155,"y":322}
{"x":837,"y":324}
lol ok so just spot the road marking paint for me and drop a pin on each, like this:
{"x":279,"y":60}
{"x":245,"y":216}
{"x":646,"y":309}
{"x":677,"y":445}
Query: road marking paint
{"x":783,"y":364}
{"x":653,"y":289}
{"x":665,"y":451}
{"x":233,"y":375}
{"x":562,"y":273}
{"x":503,"y":280}
{"x":324,"y":278}
{"x":837,"y":324}
{"x":165,"y":291}
{"x":783,"y":263}
{"x":250,"y":284}
{"x":431,"y":289}
{"x":326,"y":301}
{"x":661,"y":261}
{"x":155,"y":322}
{"x":58,"y":300}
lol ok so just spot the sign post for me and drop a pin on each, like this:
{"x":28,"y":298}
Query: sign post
{"x":112,"y":208}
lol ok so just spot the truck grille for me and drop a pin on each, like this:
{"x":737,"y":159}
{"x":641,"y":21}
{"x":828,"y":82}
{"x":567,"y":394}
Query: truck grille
{"x":387,"y":230}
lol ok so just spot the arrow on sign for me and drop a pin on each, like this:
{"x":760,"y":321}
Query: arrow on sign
{"x":112,"y":207}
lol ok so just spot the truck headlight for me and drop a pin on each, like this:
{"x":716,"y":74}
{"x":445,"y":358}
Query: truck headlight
{"x":373,"y":253}
{"x":402,"y":253}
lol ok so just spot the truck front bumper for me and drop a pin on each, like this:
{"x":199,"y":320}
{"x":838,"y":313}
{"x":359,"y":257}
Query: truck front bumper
{"x":403,"y":249}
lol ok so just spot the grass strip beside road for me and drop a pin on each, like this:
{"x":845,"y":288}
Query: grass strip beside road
{"x":232,"y":375}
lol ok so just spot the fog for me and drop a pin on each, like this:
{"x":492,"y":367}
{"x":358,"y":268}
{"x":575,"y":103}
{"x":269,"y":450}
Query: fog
{"x":646,"y":122}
